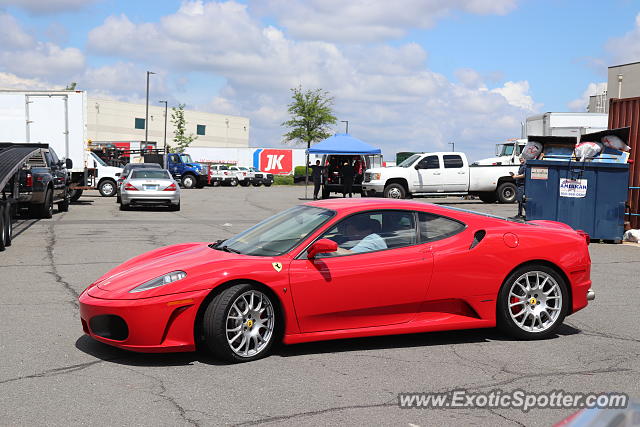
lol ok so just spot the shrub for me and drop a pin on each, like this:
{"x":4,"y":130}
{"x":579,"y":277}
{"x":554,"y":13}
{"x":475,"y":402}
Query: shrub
{"x":299,"y":171}
{"x":283,"y":180}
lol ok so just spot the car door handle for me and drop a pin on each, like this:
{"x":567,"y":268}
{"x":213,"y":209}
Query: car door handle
{"x":460,"y":173}
{"x":436,"y":173}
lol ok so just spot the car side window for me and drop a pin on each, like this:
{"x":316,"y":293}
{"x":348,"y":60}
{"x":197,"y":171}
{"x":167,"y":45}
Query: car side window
{"x":372,"y":231}
{"x":435,"y":227}
{"x":452,"y":161}
{"x":49,"y":158}
{"x":54,"y":158}
{"x":429,"y":162}
{"x":175,"y":158}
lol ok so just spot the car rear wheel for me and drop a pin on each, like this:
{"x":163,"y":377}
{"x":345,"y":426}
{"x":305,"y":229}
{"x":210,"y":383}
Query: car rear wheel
{"x":532,"y":302}
{"x":8,"y":226}
{"x":233,"y":182}
{"x":239,"y":324}
{"x":74,"y":194}
{"x":175,"y":208}
{"x":124,"y":207}
{"x":45,"y":210}
{"x":3,"y":229}
{"x":268,"y":184}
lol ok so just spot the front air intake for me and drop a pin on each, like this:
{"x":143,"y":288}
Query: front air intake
{"x":109,"y":326}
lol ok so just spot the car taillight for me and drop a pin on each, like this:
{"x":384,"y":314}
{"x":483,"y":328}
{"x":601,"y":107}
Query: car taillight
{"x":585,"y":235}
{"x":171,"y":187}
{"x":130,"y":187}
{"x":29,"y":180}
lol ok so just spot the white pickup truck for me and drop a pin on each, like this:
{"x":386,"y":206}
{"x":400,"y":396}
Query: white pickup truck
{"x":437,"y":174}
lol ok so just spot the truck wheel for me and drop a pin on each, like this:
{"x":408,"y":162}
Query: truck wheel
{"x":8,"y":226}
{"x":188,"y":181}
{"x":3,"y":229}
{"x":506,"y":192}
{"x":234,"y":183}
{"x":75,"y":194}
{"x":268,"y":184}
{"x":245,"y":183}
{"x":395,"y":191}
{"x":488,"y":197}
{"x":45,"y":210}
{"x":107,"y":188}
{"x":63,"y":206}
{"x":257,"y":184}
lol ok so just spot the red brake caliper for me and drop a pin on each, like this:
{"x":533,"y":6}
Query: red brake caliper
{"x":518,"y":308}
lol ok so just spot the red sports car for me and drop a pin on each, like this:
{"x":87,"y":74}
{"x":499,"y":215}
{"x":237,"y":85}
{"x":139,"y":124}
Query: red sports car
{"x":341,"y":269}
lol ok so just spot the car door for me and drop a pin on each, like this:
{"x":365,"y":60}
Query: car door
{"x":429,"y":174}
{"x":455,"y":174}
{"x":176,"y":164}
{"x":58,"y":175}
{"x":362,"y":289}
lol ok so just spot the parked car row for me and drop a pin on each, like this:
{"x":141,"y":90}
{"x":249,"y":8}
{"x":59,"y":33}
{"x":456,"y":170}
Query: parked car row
{"x":239,"y":175}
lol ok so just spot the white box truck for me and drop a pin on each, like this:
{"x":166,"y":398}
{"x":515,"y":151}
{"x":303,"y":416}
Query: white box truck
{"x":57,"y":118}
{"x":564,"y":124}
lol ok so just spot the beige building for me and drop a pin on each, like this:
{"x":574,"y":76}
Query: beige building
{"x":109,"y":120}
{"x":623,"y":81}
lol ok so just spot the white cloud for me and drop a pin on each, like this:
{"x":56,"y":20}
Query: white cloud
{"x":11,"y":81}
{"x":367,"y":20}
{"x":40,"y":7}
{"x":23,"y":55}
{"x":386,"y":92}
{"x":581,"y":103}
{"x":626,"y":48}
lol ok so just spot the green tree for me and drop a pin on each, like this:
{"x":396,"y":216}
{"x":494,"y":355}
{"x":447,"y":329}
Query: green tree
{"x":311,"y":116}
{"x":180,"y":137}
{"x":71,"y":86}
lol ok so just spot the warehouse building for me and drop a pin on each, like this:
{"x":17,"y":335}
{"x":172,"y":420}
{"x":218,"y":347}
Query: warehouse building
{"x":623,"y":81}
{"x":109,"y":120}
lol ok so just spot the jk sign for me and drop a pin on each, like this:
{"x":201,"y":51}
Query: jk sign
{"x":277,"y":162}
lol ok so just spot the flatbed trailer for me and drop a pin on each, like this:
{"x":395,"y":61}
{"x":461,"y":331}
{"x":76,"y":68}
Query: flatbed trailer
{"x":12,"y":158}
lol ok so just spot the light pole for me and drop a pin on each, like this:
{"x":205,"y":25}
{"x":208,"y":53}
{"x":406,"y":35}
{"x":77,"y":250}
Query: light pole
{"x":166,"y":108}
{"x":347,"y":123}
{"x":146,"y":114}
{"x":453,"y":146}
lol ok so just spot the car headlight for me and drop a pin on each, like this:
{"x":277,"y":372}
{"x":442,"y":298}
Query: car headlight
{"x":174,"y":276}
{"x":375,"y":176}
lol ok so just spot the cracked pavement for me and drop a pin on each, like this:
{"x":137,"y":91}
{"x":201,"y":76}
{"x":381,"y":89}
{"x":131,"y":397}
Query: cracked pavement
{"x":51,"y":374}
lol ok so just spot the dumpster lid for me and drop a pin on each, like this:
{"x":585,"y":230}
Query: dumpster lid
{"x":569,"y":141}
{"x":622,"y":133}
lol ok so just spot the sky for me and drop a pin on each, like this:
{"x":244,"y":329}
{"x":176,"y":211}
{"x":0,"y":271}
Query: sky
{"x":408,"y":75}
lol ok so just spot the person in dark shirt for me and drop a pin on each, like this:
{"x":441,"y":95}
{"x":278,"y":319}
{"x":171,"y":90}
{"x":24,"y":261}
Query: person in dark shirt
{"x":348,"y":173}
{"x":519,"y":178}
{"x":316,"y":175}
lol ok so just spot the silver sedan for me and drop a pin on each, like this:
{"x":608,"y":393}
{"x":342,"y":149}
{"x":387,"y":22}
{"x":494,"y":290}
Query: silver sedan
{"x":149,"y":187}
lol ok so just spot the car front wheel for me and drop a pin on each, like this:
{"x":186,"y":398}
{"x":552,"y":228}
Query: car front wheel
{"x":394,"y":191}
{"x":239,"y":324}
{"x":532,"y":302}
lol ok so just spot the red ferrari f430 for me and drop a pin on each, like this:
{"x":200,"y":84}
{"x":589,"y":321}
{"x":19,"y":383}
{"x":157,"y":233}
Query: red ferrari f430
{"x":342,"y":269}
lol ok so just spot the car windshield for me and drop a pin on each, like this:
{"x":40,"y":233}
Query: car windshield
{"x":149,"y":174}
{"x":186,"y":158}
{"x":243,"y":168}
{"x":98,"y":159}
{"x":278,"y":234}
{"x":409,"y":161}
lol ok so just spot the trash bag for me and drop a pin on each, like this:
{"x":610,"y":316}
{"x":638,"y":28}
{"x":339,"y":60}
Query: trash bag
{"x":532,"y":150}
{"x":614,"y":142}
{"x":587,"y":150}
{"x":631,"y":236}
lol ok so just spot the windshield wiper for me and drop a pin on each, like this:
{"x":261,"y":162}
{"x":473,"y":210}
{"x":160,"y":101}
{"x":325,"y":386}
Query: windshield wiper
{"x":228,"y":249}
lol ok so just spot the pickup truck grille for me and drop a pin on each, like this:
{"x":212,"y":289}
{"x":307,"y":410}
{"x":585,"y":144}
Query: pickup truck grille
{"x":258,"y":175}
{"x":367,"y":177}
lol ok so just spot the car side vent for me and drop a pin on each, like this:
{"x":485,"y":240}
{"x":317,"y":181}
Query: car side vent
{"x":477,"y":238}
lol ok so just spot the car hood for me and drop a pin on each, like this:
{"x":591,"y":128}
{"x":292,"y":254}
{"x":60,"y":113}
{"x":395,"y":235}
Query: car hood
{"x":195,"y":259}
{"x":194,"y":165}
{"x":392,"y":170}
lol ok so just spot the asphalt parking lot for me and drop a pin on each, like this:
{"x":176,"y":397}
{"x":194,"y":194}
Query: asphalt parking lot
{"x":52,"y":374}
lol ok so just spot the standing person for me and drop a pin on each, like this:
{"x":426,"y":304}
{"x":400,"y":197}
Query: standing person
{"x":316,"y":174}
{"x":519,"y":177}
{"x":348,"y":174}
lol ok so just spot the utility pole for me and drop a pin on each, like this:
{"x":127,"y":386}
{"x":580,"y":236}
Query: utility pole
{"x":146,"y":115}
{"x":347,"y":123}
{"x":453,"y":146}
{"x":166,"y":111}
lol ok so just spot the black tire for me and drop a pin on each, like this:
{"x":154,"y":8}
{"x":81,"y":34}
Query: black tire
{"x":244,"y":183}
{"x":124,"y":207}
{"x":504,"y":318}
{"x":215,"y":184}
{"x":188,"y":181}
{"x":214,"y":324}
{"x":200,"y":186}
{"x":257,"y":184}
{"x":74,"y":195}
{"x":63,"y":206}
{"x":395,"y":191}
{"x":107,"y":188}
{"x":268,"y":184}
{"x":506,"y":192}
{"x":234,"y":182}
{"x":45,"y":210}
{"x":175,"y":208}
{"x":118,"y":199}
{"x":8,"y":225}
{"x":488,"y":197}
{"x":3,"y":229}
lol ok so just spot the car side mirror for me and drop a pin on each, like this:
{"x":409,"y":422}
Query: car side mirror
{"x":322,"y":246}
{"x":417,"y":167}
{"x":68,"y":163}
{"x":117,"y":173}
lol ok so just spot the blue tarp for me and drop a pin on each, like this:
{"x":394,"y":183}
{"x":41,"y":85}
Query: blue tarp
{"x":342,"y":143}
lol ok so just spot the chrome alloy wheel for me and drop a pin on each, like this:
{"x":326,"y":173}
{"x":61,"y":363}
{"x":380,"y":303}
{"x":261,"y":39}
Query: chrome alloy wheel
{"x":249,"y":324}
{"x":535,"y":301}
{"x":395,"y":193}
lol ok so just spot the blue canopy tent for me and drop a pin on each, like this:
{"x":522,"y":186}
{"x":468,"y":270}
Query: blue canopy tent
{"x":341,"y":144}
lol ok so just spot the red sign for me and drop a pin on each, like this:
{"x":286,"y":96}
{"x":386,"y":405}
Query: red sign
{"x":278,"y":162}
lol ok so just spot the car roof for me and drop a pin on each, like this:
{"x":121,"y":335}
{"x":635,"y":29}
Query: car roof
{"x":352,"y":205}
{"x":143,"y":165}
